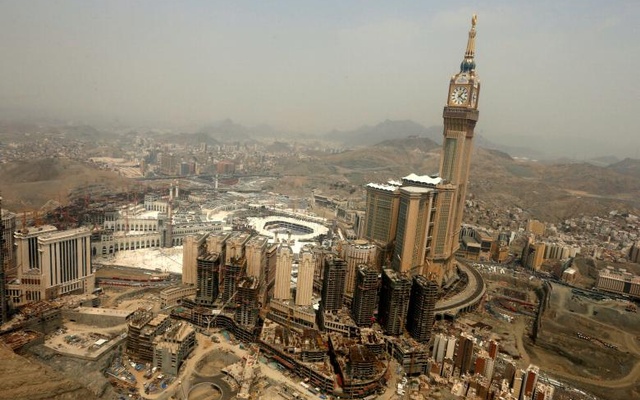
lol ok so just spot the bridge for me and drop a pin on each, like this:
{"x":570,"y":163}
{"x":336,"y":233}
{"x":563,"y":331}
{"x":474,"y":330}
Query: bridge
{"x":467,"y":299}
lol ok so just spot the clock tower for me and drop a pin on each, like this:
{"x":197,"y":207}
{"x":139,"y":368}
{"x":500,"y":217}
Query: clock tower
{"x":460,"y":117}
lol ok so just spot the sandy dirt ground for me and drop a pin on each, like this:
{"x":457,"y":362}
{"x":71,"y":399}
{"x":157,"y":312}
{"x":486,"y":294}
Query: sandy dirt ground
{"x":590,"y":342}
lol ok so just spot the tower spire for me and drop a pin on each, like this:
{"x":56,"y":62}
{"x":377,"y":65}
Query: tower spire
{"x":469,"y":64}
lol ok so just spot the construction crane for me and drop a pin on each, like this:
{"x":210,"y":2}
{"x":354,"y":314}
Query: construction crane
{"x":209,"y":322}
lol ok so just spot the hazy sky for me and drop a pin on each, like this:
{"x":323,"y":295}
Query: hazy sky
{"x":562,"y":75}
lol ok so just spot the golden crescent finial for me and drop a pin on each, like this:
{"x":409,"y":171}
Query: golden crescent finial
{"x":474,"y":20}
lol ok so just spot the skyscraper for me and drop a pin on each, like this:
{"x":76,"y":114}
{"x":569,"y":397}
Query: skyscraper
{"x":382,"y":216}
{"x":284,"y":261}
{"x":414,"y":211}
{"x":209,"y":261}
{"x":355,"y":253}
{"x":335,"y":272}
{"x":416,"y":222}
{"x":247,"y":300}
{"x":365,"y":295}
{"x":4,"y":313}
{"x":464,"y":353}
{"x":395,"y":292}
{"x":256,"y":250}
{"x":304,"y":288}
{"x":193,"y":247}
{"x":460,"y":117}
{"x":208,"y":271}
{"x":9,"y":228}
{"x":420,"y":315}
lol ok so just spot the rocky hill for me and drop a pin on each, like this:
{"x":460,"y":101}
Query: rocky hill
{"x":550,"y":192}
{"x":386,"y":130}
{"x":28,"y":185}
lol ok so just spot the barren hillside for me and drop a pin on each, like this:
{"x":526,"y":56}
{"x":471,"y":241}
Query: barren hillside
{"x":28,"y":185}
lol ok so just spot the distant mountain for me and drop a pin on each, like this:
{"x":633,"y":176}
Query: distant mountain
{"x":386,"y":130}
{"x":550,"y":192}
{"x":389,"y":159}
{"x":514,"y":151}
{"x":230,"y":131}
{"x":604,"y":161}
{"x":278,"y":147}
{"x":628,"y":166}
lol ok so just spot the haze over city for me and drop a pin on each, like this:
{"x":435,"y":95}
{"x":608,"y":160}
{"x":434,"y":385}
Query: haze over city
{"x":557,"y":76}
{"x":202,"y":200}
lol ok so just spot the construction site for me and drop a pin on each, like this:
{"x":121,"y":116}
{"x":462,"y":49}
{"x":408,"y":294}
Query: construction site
{"x":593,"y":343}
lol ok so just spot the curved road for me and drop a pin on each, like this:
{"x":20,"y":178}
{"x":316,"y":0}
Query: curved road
{"x":471,"y":294}
{"x":226,"y":391}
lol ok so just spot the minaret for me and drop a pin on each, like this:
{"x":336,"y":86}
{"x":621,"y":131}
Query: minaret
{"x":460,"y":117}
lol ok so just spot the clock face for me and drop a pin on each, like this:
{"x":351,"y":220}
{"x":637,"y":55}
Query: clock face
{"x":474,"y":99}
{"x":459,"y":95}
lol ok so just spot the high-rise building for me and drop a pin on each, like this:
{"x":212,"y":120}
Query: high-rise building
{"x":247,"y":300}
{"x":256,"y":250}
{"x":382,"y":216}
{"x":231,"y":275}
{"x":270,"y":271}
{"x":355,"y":253}
{"x":439,"y":346}
{"x":171,"y":348}
{"x":209,"y":264}
{"x":304,"y":287}
{"x":208,"y":268}
{"x":460,"y":117}
{"x":235,"y":265}
{"x":52,"y":263}
{"x":414,"y":212}
{"x":395,"y":292}
{"x":422,"y":215}
{"x":634,"y":252}
{"x":8,"y":248}
{"x":529,"y":382}
{"x":335,"y":272}
{"x":518,"y":381}
{"x":366,"y":293}
{"x":420,"y":316}
{"x":493,"y":348}
{"x":193,"y":247}
{"x":234,"y":246}
{"x":4,"y":310}
{"x":464,"y":353}
{"x":284,"y":261}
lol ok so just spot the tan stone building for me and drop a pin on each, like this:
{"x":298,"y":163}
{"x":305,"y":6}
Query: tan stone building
{"x":51,"y":263}
{"x":304,"y":287}
{"x":284,"y":261}
{"x":423,"y":214}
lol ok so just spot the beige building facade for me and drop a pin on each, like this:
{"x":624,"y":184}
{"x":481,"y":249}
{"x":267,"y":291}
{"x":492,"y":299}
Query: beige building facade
{"x":51,"y":263}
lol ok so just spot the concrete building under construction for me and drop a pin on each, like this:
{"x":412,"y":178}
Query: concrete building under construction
{"x":335,"y":272}
{"x":394,"y":302}
{"x":248,"y":309}
{"x":208,"y":278}
{"x":142,"y":330}
{"x":420,"y":316}
{"x":173,"y":347}
{"x":365,"y":296}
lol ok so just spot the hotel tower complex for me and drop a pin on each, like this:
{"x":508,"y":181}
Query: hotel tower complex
{"x":416,"y":221}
